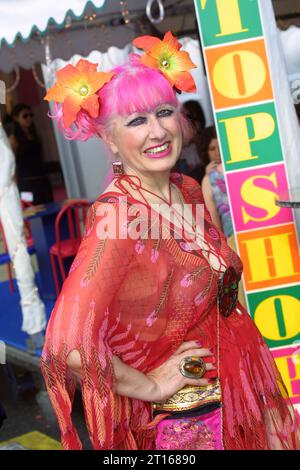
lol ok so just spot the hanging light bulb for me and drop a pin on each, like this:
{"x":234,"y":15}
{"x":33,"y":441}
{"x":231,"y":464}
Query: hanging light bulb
{"x":125,"y":11}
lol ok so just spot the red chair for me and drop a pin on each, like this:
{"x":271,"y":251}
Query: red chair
{"x":75,"y":213}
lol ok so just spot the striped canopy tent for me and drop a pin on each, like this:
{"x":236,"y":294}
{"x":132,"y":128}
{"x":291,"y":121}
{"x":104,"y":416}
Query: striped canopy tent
{"x":34,"y":31}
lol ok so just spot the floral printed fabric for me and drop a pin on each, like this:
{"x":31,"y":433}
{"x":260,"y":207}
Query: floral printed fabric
{"x":197,"y":433}
{"x":139,"y":300}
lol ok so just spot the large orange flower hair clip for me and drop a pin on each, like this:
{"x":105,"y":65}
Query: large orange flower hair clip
{"x":165,"y":55}
{"x":76,"y":88}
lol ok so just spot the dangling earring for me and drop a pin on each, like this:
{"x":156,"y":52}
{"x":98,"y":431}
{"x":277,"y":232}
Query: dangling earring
{"x":118,"y":168}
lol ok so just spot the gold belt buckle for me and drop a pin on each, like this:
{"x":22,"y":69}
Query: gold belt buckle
{"x":190,"y":397}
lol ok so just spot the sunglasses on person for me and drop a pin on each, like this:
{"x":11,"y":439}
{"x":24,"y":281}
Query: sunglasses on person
{"x":27,"y":115}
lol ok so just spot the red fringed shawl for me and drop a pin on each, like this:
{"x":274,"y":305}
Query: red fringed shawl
{"x":139,"y":300}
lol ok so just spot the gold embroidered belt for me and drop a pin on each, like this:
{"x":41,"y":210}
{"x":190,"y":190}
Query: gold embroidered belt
{"x":190,"y":397}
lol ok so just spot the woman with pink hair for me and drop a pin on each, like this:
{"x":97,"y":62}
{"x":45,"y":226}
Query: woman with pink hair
{"x":148,"y":318}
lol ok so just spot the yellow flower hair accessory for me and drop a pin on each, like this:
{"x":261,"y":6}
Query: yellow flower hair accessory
{"x":165,"y":55}
{"x":76,"y":88}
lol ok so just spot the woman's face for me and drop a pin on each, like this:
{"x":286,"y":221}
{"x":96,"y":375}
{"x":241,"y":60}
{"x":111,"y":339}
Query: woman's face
{"x":214,"y":151}
{"x":24,"y":118}
{"x":147,"y":142}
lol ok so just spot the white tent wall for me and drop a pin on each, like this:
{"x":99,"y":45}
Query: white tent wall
{"x":86,"y":164}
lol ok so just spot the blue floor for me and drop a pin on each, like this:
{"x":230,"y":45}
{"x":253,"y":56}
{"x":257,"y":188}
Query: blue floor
{"x":23,"y":394}
{"x":11,"y":317}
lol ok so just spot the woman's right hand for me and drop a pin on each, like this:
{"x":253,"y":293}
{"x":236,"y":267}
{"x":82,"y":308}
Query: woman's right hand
{"x":160,"y":383}
{"x":212,"y":166}
{"x":168,"y":379}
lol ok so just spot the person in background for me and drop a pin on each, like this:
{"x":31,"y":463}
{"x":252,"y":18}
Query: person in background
{"x":193,"y":111}
{"x":214,"y":191}
{"x":189,"y":162}
{"x":213,"y":183}
{"x":26,"y":145}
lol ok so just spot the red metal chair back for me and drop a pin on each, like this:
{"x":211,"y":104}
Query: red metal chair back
{"x":75,"y":212}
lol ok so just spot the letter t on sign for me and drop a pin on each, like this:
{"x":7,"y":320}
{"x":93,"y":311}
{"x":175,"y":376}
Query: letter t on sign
{"x":228,"y":12}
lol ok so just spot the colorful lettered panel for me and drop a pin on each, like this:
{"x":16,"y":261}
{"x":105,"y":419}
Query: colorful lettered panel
{"x":276,"y":313}
{"x":270,"y":257}
{"x":252,"y":195}
{"x":228,"y":20}
{"x":239,"y":74}
{"x":249,"y":136}
{"x":288,"y":363}
{"x":241,"y":90}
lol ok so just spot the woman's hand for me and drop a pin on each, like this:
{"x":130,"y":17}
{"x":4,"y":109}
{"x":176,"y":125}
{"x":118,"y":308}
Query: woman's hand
{"x":211,"y":167}
{"x":159,"y":384}
{"x":168,"y":379}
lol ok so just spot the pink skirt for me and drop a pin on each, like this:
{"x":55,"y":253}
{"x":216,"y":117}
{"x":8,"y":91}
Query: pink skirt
{"x":191,"y":433}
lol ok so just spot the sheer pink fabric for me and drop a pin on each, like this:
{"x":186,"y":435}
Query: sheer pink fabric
{"x":197,"y":433}
{"x":139,"y":300}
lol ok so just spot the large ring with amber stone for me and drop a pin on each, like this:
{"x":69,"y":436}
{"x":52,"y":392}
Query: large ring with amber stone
{"x":192,"y":367}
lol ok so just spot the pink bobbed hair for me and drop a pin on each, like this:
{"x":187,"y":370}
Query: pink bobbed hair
{"x":134,"y":88}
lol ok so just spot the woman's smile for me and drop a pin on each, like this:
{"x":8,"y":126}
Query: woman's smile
{"x":159,"y":151}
